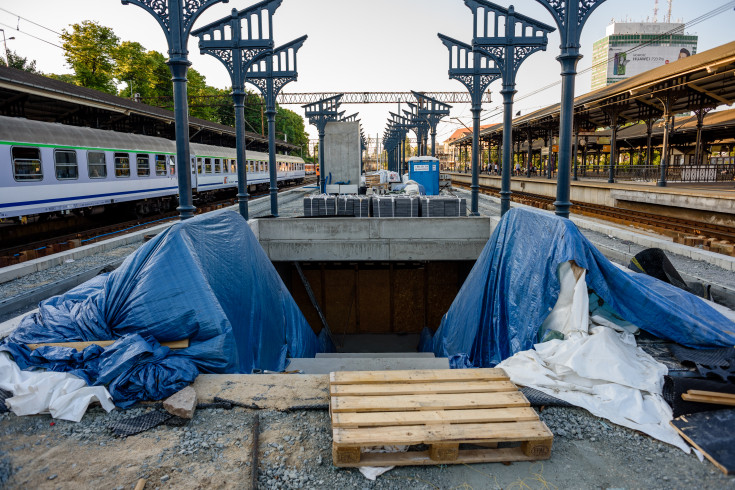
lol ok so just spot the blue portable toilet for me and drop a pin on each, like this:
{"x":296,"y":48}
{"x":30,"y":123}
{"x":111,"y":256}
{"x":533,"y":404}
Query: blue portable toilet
{"x":425,"y":171}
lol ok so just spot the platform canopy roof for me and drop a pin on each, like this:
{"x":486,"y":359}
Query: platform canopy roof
{"x":37,"y":97}
{"x":704,"y":80}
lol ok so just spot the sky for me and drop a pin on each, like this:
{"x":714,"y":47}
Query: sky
{"x":357,"y":46}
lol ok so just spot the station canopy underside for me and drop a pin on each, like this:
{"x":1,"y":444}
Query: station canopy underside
{"x":700,"y":82}
{"x":36,"y":97}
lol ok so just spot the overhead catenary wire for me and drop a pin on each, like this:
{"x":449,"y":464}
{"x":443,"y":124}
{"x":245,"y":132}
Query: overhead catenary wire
{"x":29,"y":20}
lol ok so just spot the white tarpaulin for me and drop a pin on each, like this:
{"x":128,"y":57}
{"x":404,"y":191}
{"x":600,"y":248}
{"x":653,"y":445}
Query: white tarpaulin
{"x":598,"y":368}
{"x":63,"y":395}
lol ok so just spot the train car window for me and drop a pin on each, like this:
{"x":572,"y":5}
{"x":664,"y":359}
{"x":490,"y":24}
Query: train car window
{"x":143,"y":164}
{"x":27,"y":164}
{"x":233,"y":166}
{"x":217,"y":167}
{"x":65,"y":162}
{"x":160,"y":164}
{"x":208,"y":165}
{"x":172,"y":165}
{"x":122,"y":165}
{"x":96,"y":165}
{"x":199,"y":165}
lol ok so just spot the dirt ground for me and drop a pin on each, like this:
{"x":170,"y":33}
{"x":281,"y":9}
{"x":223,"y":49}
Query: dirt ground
{"x":214,"y":450}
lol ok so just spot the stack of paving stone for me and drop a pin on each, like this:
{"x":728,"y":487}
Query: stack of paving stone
{"x":353,"y":205}
{"x":321,"y":205}
{"x":443,"y":206}
{"x":395,"y":206}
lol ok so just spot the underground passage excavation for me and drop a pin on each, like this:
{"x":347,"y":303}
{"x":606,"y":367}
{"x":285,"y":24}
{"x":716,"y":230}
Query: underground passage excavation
{"x":374,"y":307}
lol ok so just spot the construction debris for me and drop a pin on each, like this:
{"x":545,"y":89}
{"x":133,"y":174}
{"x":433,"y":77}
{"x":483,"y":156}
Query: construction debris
{"x":182,"y":403}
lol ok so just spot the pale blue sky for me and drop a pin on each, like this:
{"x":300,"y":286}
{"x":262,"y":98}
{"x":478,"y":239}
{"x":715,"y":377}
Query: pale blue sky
{"x":363,"y":45}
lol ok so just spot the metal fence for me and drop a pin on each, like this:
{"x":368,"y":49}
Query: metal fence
{"x":651,"y":173}
{"x":637,"y":173}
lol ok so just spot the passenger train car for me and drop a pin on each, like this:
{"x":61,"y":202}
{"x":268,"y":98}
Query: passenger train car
{"x":48,"y":168}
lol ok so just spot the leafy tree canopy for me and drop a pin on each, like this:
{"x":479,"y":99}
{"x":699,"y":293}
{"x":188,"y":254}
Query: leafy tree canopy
{"x":100,"y":60}
{"x":17,"y":61}
{"x":89,"y":50}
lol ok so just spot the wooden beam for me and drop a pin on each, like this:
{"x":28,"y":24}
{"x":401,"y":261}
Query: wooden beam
{"x":80,"y":346}
{"x":709,"y":94}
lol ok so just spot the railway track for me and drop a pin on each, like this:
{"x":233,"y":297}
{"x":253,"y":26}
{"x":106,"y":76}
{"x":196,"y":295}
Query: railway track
{"x":67,"y":241}
{"x":716,"y":238}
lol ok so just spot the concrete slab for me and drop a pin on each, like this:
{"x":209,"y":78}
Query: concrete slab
{"x":326,"y":366}
{"x":374,"y":239}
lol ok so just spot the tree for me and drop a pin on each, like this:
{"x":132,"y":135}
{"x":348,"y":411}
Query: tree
{"x":133,"y":65}
{"x":17,"y":61}
{"x":291,"y":125}
{"x":89,"y":48}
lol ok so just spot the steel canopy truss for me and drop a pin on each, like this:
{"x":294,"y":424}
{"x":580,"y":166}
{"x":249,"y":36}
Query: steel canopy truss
{"x":238,"y":41}
{"x":270,"y":74}
{"x":176,"y":18}
{"x":303,"y":98}
{"x":509,"y":39}
{"x":320,"y":113}
{"x":476,"y":71}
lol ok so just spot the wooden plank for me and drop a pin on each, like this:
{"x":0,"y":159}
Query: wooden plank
{"x":711,"y":433}
{"x":80,"y":346}
{"x":429,"y":434}
{"x":718,"y":394}
{"x":417,"y":376}
{"x":425,"y":388}
{"x":399,"y":403}
{"x":432,"y":417}
{"x":717,"y":400}
{"x":421,"y":458}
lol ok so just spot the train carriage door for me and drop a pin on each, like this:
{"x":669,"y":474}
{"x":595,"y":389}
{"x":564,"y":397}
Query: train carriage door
{"x":195,"y":165}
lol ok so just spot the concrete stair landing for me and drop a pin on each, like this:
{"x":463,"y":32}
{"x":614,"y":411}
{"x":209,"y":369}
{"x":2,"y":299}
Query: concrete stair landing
{"x":364,"y":361}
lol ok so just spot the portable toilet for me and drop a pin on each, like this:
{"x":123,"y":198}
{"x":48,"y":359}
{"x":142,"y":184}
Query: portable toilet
{"x":425,"y":171}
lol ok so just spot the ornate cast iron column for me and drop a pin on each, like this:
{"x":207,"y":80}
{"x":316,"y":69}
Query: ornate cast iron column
{"x":476,"y":71}
{"x":176,"y":18}
{"x":495,"y":34}
{"x":570,"y":17}
{"x":270,"y":75}
{"x":237,"y":41}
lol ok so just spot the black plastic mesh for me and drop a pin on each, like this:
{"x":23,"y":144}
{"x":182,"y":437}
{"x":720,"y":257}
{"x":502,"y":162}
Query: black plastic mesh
{"x":539,"y":398}
{"x":707,"y":357}
{"x":141,"y":423}
{"x":675,"y":386}
{"x":3,"y":396}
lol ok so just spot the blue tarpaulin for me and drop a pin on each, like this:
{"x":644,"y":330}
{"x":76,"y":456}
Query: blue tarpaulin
{"x":514,"y":285}
{"x":206,"y":279}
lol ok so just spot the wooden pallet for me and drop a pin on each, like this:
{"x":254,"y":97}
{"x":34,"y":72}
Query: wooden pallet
{"x":444,"y":409}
